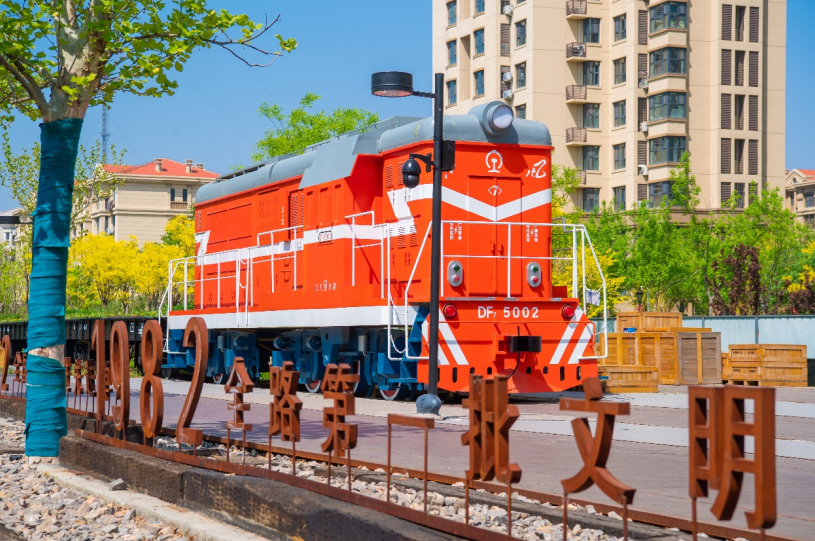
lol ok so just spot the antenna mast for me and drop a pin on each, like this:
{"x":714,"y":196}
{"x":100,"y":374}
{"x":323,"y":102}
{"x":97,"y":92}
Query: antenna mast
{"x":105,"y":133}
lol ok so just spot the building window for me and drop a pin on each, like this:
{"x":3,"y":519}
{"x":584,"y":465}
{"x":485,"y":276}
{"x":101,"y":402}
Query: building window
{"x":520,"y":75}
{"x":172,"y":194}
{"x":668,"y":60}
{"x":619,"y":114}
{"x":479,"y":83}
{"x":451,"y":53}
{"x":668,"y":15}
{"x":591,"y":199}
{"x":619,"y":198}
{"x":591,"y":30}
{"x":591,"y":158}
{"x":479,"y":41}
{"x":809,"y":199}
{"x":619,"y":157}
{"x":98,"y":231}
{"x":809,"y":221}
{"x":666,"y":150}
{"x":479,"y":7}
{"x":739,"y":193}
{"x":591,"y":73}
{"x":184,"y":195}
{"x":451,"y":13}
{"x":619,"y":71}
{"x":452,"y":97}
{"x":667,"y":105}
{"x":619,"y":28}
{"x":520,"y":111}
{"x":591,"y":115}
{"x":520,"y":33}
{"x":659,"y":191}
{"x":107,"y":223}
{"x":504,"y":3}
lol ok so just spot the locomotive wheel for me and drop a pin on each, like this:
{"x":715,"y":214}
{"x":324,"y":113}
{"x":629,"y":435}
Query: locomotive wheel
{"x":218,"y":379}
{"x":313,"y":387}
{"x":400,"y":392}
{"x":169,"y":373}
{"x":362,"y":388}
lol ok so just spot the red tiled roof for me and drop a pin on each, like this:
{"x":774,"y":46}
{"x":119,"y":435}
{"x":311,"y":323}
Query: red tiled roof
{"x":168,"y":168}
{"x":807,"y":172}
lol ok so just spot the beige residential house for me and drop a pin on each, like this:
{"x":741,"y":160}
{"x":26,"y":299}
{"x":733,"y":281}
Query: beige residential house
{"x":150,"y":195}
{"x":799,"y":188}
{"x":11,"y":223}
{"x":626,"y":86}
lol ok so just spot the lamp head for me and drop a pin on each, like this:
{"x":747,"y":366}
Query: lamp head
{"x":639,"y":294}
{"x":392,"y":84}
{"x":410,"y":173}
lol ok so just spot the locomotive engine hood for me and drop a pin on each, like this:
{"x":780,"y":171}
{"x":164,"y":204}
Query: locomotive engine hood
{"x":335,"y":157}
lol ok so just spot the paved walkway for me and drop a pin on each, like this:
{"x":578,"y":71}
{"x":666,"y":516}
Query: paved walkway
{"x":650,"y":451}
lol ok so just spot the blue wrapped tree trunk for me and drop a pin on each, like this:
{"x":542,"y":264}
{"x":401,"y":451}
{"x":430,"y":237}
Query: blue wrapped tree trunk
{"x":46,"y":400}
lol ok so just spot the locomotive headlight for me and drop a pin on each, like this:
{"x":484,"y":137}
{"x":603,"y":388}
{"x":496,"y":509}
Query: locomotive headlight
{"x":501,"y":117}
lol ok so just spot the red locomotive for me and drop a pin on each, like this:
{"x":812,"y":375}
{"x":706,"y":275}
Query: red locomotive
{"x":324,"y":257}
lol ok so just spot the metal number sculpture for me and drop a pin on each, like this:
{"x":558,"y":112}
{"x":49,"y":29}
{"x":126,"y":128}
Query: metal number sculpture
{"x":595,"y":451}
{"x":338,"y":385}
{"x":195,"y":336}
{"x":237,"y":384}
{"x":717,"y":430}
{"x":100,"y":369}
{"x":491,"y":417}
{"x":152,"y":389}
{"x":5,"y":358}
{"x":284,"y":415}
{"x":18,"y":380}
{"x":77,"y":389}
{"x":120,"y":368}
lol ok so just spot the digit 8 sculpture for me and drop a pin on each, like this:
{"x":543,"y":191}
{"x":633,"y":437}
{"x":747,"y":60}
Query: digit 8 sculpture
{"x":152,"y":390}
{"x":195,"y":336}
{"x":120,"y":368}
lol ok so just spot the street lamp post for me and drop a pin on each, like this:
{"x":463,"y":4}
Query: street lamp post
{"x":639,"y":295}
{"x":395,"y":84}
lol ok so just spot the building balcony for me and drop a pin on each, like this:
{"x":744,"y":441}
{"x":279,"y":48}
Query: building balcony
{"x":581,"y":176}
{"x":575,"y":52}
{"x":178,"y":205}
{"x":576,"y":94}
{"x":577,"y":9}
{"x":576,"y":136}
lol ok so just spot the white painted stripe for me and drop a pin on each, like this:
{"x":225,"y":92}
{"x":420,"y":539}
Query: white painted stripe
{"x":359,"y":316}
{"x":474,"y":206}
{"x":567,"y":336}
{"x":425,"y":334}
{"x":580,"y":348}
{"x":452,"y":343}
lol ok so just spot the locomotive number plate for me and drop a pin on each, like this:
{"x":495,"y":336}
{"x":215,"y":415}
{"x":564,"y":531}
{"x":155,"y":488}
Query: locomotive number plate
{"x":508,"y":312}
{"x":325,"y":236}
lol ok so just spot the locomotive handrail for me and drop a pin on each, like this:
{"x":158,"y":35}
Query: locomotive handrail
{"x":354,"y":247}
{"x":294,"y":251}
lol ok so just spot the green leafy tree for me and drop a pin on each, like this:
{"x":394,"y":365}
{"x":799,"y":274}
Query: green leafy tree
{"x":300,"y":128}
{"x":57,"y":58}
{"x":180,"y":231}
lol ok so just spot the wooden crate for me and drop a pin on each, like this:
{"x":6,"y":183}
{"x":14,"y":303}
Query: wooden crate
{"x":648,"y":321}
{"x":655,"y":350}
{"x":767,"y":365}
{"x":699,"y":355}
{"x":628,"y":379}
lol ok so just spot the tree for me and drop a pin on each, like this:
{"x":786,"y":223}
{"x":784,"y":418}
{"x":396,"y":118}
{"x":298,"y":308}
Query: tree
{"x":292,"y":133}
{"x":106,"y":265}
{"x":180,"y":232}
{"x":739,"y":291}
{"x":57,"y":58}
{"x":150,"y":271}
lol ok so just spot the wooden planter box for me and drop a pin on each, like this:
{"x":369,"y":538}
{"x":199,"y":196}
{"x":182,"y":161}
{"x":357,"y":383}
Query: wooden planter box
{"x":767,"y":365}
{"x":628,"y":379}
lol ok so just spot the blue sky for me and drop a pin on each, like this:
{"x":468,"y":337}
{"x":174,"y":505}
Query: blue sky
{"x":213,"y":117}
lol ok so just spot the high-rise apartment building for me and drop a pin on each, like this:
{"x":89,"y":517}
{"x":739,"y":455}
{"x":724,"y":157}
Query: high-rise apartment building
{"x":626,"y":86}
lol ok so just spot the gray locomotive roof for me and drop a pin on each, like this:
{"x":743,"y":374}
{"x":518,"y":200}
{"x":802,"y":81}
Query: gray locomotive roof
{"x":335,"y":157}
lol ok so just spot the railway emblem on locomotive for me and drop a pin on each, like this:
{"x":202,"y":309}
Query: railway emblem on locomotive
{"x":494,"y":190}
{"x":494,"y":161}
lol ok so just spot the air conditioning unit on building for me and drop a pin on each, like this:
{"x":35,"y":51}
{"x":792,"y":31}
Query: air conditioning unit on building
{"x":507,"y":76}
{"x":644,"y":83}
{"x":644,"y":127}
{"x":507,"y":11}
{"x":642,"y":170}
{"x":508,"y":94}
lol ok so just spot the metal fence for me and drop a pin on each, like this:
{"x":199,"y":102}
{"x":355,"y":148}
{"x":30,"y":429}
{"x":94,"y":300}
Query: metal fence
{"x":752,"y":329}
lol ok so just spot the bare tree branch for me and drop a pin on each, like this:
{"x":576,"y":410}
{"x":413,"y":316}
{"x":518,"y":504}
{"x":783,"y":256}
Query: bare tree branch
{"x":32,"y":89}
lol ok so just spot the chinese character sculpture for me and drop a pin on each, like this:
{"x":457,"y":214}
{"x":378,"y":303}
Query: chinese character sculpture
{"x":238,"y":383}
{"x":338,"y":385}
{"x":717,"y":430}
{"x":285,"y":411}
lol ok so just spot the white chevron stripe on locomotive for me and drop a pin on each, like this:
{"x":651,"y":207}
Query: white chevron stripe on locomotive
{"x":567,"y":336}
